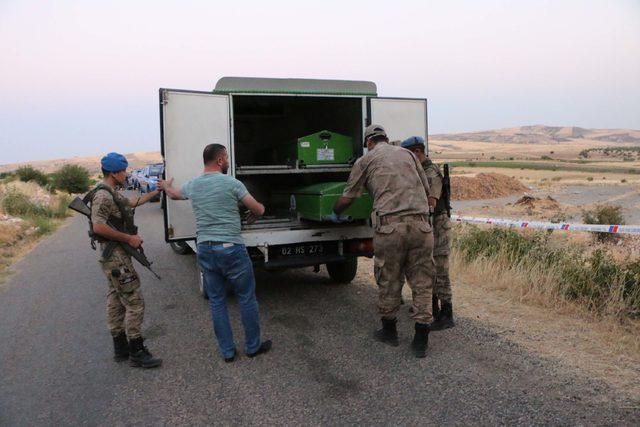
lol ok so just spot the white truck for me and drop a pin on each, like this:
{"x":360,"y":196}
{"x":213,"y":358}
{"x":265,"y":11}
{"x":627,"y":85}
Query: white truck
{"x":254,"y":118}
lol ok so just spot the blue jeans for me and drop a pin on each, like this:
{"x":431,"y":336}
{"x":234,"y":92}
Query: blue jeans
{"x":230,"y":265}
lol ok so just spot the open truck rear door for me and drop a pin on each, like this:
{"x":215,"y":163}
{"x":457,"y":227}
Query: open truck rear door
{"x":189,"y":121}
{"x":401,"y":117}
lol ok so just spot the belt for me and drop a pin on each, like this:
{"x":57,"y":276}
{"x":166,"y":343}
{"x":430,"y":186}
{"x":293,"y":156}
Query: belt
{"x":213,"y":243}
{"x":392,"y":219}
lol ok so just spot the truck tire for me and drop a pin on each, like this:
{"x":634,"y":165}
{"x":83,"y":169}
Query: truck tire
{"x":181,"y":248}
{"x":343,"y":271}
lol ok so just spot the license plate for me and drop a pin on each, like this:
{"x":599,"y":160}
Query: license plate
{"x":304,"y":250}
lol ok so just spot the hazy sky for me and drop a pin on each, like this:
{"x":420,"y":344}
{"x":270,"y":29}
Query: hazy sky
{"x":81,"y":77}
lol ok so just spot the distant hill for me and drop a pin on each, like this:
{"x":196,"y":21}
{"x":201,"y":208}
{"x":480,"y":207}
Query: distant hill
{"x":92,"y":163}
{"x":569,"y":136}
{"x":540,"y":134}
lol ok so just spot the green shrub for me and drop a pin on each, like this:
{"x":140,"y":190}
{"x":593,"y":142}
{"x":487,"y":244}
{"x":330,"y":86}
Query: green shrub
{"x":559,"y":217}
{"x":28,"y":173}
{"x":62,"y":209}
{"x":589,"y":178}
{"x":72,"y":179}
{"x":556,"y":178}
{"x":493,"y":241}
{"x":546,"y":157}
{"x":604,"y":214}
{"x":43,"y":224}
{"x":594,"y":279}
{"x":17,"y":204}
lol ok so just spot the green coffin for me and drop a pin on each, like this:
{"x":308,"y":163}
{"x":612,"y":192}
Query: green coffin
{"x":322,"y":148}
{"x":315,"y":202}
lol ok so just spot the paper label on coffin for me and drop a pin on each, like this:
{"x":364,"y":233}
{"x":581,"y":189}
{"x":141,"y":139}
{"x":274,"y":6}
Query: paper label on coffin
{"x":325,"y":154}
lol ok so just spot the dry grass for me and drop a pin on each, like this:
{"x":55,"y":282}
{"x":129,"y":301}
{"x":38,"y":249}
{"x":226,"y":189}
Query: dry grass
{"x":504,"y":144}
{"x":527,"y":307}
{"x":547,"y":178}
{"x":36,"y":213}
{"x":9,"y":233}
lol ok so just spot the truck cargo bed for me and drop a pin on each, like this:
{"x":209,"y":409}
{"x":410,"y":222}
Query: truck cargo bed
{"x":265,"y":127}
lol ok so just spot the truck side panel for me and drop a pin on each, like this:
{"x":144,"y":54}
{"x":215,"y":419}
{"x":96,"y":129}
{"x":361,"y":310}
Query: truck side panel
{"x":190,"y":121}
{"x":401,"y":117}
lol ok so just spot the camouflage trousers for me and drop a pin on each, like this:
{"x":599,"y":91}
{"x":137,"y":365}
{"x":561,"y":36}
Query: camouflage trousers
{"x":441,"y":251}
{"x":404,"y":249}
{"x":125,"y":305}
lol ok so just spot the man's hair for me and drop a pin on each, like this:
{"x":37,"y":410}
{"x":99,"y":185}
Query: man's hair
{"x":212,"y":152}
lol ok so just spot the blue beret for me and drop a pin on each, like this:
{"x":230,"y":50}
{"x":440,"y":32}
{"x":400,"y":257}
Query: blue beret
{"x":411,"y":141}
{"x":114,"y":162}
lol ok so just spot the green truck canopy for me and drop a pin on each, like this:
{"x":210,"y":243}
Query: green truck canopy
{"x":295,"y":86}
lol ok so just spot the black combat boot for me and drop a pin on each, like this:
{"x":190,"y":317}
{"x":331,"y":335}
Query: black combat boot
{"x":444,"y":320}
{"x":120,"y":347}
{"x":140,"y":357}
{"x":420,"y":340}
{"x":388,"y":334}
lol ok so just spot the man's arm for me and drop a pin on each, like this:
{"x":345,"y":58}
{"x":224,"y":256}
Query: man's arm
{"x":169,"y":190}
{"x":101,"y":208}
{"x":436,"y":189}
{"x":424,"y":180}
{"x":112,"y":234}
{"x":342,"y":204}
{"x":353,"y":189}
{"x":134,"y":202}
{"x":253,"y":205}
{"x":256,"y":209}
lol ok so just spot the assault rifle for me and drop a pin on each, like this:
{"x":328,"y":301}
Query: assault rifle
{"x":446,"y":189}
{"x":81,"y":207}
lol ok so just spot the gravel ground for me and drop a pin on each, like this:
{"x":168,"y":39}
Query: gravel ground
{"x":574,"y":195}
{"x":56,"y":364}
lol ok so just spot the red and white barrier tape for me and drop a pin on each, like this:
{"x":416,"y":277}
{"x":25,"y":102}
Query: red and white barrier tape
{"x":601,"y":228}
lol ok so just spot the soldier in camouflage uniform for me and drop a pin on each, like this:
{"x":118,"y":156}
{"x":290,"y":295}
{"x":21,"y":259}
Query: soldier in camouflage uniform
{"x":112,"y":220}
{"x":403,"y":241}
{"x":442,"y":307}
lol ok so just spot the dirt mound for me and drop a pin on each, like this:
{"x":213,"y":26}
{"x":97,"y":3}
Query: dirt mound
{"x":484,"y":186}
{"x":545,"y":208}
{"x":534,"y":202}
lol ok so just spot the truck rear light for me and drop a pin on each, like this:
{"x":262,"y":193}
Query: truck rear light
{"x":359,"y":246}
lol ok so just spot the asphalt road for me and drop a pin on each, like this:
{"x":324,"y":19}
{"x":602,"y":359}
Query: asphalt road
{"x":57,"y":368}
